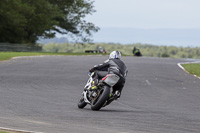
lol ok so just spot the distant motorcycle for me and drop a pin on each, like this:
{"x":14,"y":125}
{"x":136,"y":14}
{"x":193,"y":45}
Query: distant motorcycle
{"x":100,"y":96}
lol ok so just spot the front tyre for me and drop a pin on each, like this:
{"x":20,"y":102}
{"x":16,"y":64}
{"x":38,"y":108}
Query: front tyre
{"x":103,"y":96}
{"x":81,"y":103}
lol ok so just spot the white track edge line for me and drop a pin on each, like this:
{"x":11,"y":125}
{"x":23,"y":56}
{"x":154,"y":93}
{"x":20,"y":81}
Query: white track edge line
{"x":17,"y":130}
{"x":180,"y":66}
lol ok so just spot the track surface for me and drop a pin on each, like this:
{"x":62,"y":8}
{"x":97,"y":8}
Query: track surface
{"x":41,"y":94}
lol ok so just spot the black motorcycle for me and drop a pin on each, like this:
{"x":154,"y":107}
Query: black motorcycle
{"x":102,"y":95}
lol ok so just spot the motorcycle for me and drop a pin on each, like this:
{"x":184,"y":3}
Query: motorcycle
{"x":102,"y":95}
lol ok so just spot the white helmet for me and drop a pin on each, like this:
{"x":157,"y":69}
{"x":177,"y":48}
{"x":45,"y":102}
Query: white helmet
{"x":115,"y":55}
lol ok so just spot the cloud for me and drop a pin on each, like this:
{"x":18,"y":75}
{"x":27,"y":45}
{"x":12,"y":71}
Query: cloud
{"x":147,"y":13}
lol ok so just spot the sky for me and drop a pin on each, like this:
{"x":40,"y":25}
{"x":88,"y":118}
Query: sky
{"x":147,"y":14}
{"x":140,"y":17}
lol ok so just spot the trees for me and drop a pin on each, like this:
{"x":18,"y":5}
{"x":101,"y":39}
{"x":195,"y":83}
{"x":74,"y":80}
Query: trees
{"x":146,"y":50}
{"x":72,"y":22}
{"x":24,"y":21}
{"x":11,"y":21}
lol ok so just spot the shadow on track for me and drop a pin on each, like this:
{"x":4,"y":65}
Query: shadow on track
{"x":111,"y":110}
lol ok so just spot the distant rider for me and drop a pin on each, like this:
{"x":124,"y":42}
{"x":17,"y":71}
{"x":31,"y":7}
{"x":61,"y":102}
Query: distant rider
{"x":112,"y":65}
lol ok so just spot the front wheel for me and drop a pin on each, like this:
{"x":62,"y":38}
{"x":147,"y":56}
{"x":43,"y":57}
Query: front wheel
{"x":101,"y":99}
{"x":81,"y":103}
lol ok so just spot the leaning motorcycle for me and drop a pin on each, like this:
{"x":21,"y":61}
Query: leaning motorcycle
{"x":102,"y":95}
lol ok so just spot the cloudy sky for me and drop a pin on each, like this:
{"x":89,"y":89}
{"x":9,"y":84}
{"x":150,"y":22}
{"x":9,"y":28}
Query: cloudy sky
{"x":147,"y":14}
{"x":132,"y":21}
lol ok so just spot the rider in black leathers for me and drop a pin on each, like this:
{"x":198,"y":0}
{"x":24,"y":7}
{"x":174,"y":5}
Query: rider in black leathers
{"x":112,"y":65}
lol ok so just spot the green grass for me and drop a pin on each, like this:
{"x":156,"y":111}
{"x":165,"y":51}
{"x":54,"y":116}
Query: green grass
{"x":192,"y":68}
{"x":3,"y":132}
{"x":9,"y":55}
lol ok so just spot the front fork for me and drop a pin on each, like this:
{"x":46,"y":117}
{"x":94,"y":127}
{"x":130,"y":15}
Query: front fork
{"x":85,"y":97}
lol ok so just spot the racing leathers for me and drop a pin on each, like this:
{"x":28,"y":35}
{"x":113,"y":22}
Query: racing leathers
{"x":115,"y":66}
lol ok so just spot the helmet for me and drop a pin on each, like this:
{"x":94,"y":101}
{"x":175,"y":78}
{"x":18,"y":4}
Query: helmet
{"x":115,"y":55}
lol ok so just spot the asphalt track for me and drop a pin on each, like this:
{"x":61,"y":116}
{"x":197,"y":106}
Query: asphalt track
{"x":41,"y":93}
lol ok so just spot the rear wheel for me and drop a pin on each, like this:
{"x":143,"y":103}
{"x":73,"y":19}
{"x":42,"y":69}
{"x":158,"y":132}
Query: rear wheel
{"x":101,"y":99}
{"x":81,"y":103}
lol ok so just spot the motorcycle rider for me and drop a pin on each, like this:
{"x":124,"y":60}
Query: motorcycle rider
{"x":114,"y":65}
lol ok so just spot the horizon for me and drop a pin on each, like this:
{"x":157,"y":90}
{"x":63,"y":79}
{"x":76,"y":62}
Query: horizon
{"x":160,"y":37}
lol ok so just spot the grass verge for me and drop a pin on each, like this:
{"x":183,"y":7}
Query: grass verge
{"x":192,"y":68}
{"x":7,"y":131}
{"x":3,"y":132}
{"x":9,"y":55}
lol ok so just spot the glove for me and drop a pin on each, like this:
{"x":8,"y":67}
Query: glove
{"x":91,"y":70}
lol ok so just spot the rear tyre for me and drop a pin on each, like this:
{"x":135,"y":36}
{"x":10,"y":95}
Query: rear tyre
{"x":81,"y":103}
{"x":102,"y":98}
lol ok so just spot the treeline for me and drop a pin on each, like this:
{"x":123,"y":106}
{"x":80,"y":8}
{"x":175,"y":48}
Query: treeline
{"x":146,"y":50}
{"x":25,"y":21}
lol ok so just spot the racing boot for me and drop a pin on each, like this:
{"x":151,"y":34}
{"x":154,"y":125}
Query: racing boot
{"x":117,"y":95}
